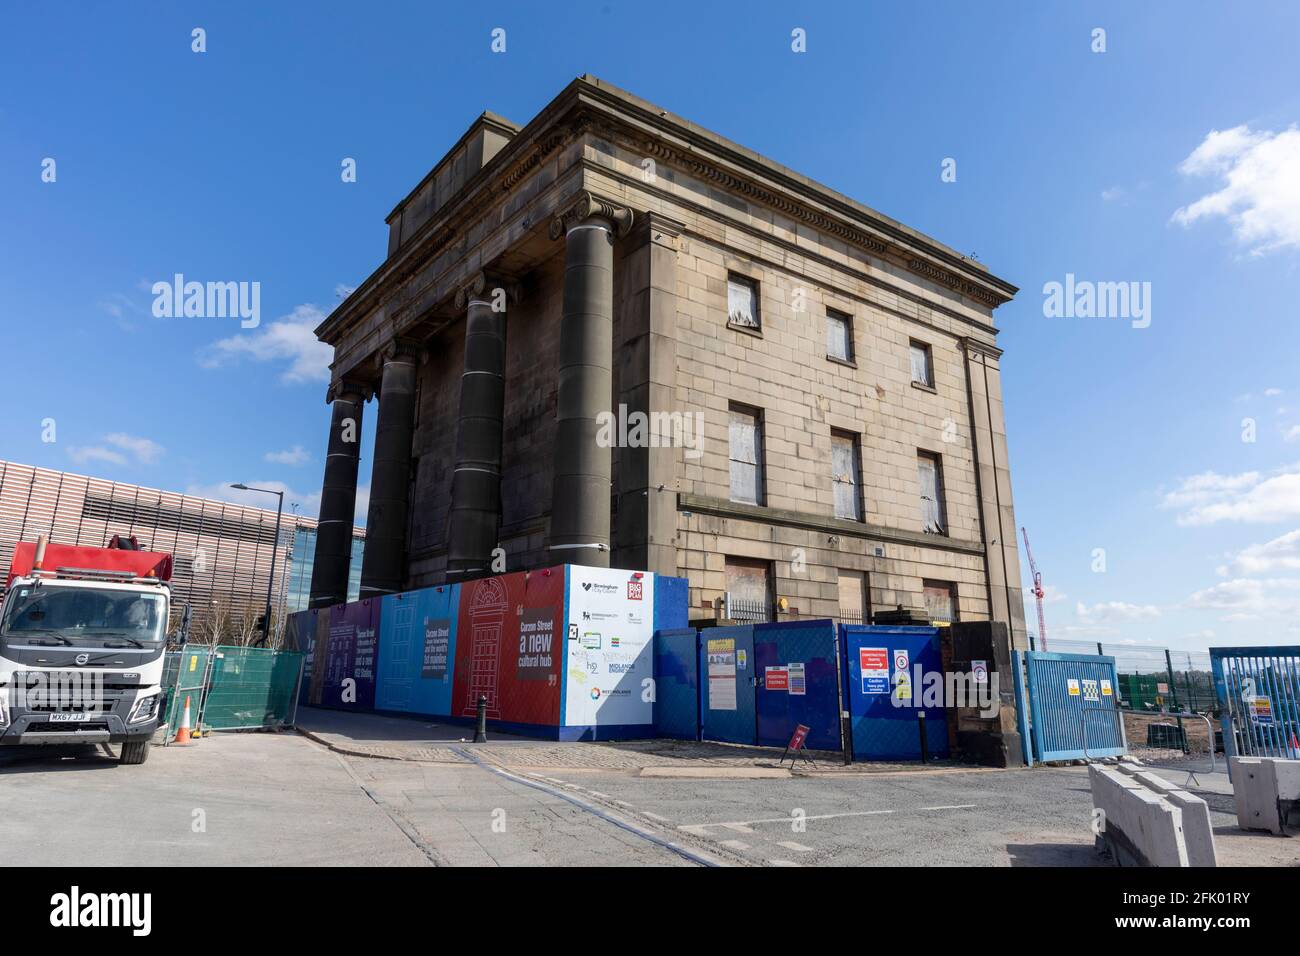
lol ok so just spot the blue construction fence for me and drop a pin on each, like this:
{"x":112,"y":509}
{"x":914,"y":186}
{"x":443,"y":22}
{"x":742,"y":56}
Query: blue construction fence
{"x":755,"y":684}
{"x":1258,"y":692}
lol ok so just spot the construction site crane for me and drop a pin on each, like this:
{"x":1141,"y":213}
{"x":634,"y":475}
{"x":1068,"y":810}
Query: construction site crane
{"x":1038,"y":593}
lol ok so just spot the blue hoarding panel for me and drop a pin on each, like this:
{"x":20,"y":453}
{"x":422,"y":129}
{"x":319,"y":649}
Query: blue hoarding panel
{"x":795,"y":664}
{"x":727,"y":684}
{"x":677,"y":685}
{"x":417,"y":651}
{"x":885,"y":670}
{"x":670,"y":603}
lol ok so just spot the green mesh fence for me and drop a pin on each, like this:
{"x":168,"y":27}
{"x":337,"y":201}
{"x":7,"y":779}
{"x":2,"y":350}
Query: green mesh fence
{"x":252,"y":687}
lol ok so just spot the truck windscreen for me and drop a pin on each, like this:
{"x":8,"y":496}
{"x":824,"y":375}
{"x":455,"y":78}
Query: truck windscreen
{"x":70,"y":612}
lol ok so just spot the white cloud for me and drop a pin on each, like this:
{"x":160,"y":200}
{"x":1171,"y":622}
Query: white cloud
{"x":289,"y":339}
{"x":1247,"y":598}
{"x":1280,"y":554}
{"x":1109,"y":612}
{"x":145,"y":451}
{"x":1272,"y":392}
{"x":1292,"y":433}
{"x":297,"y":455}
{"x":1113,"y":193}
{"x":1250,"y":497}
{"x":96,"y":453}
{"x":1260,"y":196}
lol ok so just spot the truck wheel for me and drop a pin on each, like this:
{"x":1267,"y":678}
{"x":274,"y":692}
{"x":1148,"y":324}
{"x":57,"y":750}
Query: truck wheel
{"x":134,"y":751}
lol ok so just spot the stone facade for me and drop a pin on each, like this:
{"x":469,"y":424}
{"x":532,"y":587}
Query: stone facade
{"x":675,"y":212}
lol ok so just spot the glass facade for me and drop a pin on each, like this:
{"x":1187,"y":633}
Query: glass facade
{"x":301,"y":558}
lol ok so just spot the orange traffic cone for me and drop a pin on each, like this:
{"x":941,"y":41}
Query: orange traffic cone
{"x":183,"y":732}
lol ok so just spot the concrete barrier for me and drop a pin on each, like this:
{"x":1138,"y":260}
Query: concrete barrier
{"x":1140,"y":826}
{"x":1267,"y":793}
{"x":1198,"y":833}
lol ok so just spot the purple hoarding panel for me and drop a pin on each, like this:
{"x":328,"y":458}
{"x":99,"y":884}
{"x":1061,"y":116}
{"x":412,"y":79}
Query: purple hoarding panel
{"x":350,"y":645}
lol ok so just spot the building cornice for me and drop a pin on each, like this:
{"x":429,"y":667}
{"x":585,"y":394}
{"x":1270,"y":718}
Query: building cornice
{"x":721,"y":508}
{"x":588,"y":103}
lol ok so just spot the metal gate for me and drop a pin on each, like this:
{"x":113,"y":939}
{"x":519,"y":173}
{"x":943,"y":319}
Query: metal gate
{"x":882,"y":687}
{"x":677,"y":683}
{"x":186,"y":673}
{"x":727,"y":684}
{"x":1073,"y":708}
{"x":1258,"y":690}
{"x":797,"y":682}
{"x":253,"y":687}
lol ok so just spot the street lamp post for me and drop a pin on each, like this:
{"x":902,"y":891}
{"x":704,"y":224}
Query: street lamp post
{"x":270,"y":580}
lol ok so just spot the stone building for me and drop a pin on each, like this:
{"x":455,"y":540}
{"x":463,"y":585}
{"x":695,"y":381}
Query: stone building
{"x":827,"y":432}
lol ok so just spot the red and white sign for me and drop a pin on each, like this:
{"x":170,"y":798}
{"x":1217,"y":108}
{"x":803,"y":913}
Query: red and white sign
{"x":634,"y":590}
{"x":874,"y":659}
{"x":776,"y":678}
{"x":797,"y":738}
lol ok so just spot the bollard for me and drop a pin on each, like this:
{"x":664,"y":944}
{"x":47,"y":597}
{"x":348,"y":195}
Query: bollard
{"x":846,"y":736}
{"x":920,"y":728}
{"x":480,"y":725}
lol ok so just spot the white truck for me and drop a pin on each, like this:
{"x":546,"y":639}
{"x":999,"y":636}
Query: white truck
{"x":83,"y":632}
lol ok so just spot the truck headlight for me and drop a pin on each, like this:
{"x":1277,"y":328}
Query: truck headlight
{"x":144,"y":709}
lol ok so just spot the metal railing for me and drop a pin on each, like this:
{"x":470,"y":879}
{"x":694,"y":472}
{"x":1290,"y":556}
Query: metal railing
{"x":747,"y":612}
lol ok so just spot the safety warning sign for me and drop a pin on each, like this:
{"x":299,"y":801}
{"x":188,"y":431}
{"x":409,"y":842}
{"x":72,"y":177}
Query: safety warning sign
{"x":776,"y":678}
{"x":902,"y":675}
{"x":798,"y":682}
{"x":874,"y":664}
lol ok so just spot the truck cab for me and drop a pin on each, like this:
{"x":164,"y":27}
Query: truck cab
{"x":83,"y":632}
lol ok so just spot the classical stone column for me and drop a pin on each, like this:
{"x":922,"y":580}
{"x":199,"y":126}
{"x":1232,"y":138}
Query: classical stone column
{"x":580,"y":494}
{"x":475,"y":514}
{"x":383,"y":566}
{"x":329,"y":573}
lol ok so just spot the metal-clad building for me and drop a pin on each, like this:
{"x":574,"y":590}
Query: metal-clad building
{"x":222,"y":551}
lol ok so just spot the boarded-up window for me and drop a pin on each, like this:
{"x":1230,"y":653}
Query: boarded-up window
{"x":745,"y":438}
{"x":853,"y":601}
{"x":845,"y":479}
{"x":742,"y":302}
{"x":922,"y":366}
{"x":929,"y":474}
{"x":839,"y":336}
{"x":940,"y":601}
{"x":749,"y":582}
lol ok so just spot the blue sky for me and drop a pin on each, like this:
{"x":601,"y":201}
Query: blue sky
{"x":225,"y":165}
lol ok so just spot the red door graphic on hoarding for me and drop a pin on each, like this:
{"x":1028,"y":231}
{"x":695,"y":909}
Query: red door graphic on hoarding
{"x":487,"y":614}
{"x":509,"y":646}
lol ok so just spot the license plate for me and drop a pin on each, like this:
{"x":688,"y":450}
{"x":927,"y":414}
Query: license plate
{"x":69,"y":718}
